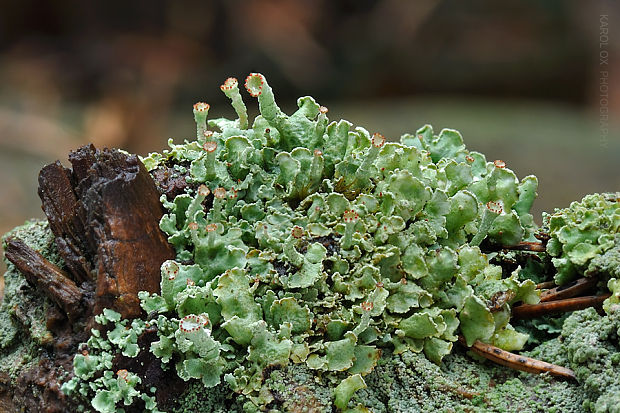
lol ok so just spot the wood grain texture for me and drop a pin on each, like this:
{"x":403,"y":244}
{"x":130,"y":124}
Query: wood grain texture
{"x":557,"y":306}
{"x":569,"y":290}
{"x":105,"y":214}
{"x":517,"y":362}
{"x":45,"y":276}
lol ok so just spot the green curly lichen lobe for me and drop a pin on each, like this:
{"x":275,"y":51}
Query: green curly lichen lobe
{"x":318,"y":265}
{"x":585,"y":237}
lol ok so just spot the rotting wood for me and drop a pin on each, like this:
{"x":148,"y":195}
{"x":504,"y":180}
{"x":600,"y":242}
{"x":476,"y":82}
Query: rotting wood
{"x":105,"y":214}
{"x":61,"y":206}
{"x":45,"y":276}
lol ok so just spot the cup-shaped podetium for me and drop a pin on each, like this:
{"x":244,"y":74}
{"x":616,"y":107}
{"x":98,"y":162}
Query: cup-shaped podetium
{"x":350,"y":218}
{"x":495,"y":174}
{"x":211,"y":234}
{"x":231,"y":89}
{"x":193,"y":322}
{"x":169,"y":272}
{"x":201,"y":110}
{"x":210,"y":148}
{"x":257,"y":87}
{"x":193,"y":327}
{"x":219,"y":198}
{"x":321,"y":125}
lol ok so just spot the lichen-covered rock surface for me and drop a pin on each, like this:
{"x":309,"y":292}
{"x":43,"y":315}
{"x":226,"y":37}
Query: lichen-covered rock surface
{"x":320,"y":267}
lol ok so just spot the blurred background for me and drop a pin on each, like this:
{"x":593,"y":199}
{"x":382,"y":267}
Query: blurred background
{"x":520,"y":79}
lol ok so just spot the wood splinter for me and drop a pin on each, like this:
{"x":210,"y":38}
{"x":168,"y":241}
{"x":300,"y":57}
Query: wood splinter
{"x":104,"y":213}
{"x":546,"y":285}
{"x":557,"y":306}
{"x":569,"y":290}
{"x":45,"y":276}
{"x":521,"y":246}
{"x":517,"y":362}
{"x":526,"y":246}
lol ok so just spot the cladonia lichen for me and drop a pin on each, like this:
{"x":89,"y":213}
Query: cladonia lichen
{"x":309,"y":242}
{"x":315,"y":245}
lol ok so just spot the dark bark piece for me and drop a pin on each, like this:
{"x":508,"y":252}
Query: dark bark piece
{"x":105,"y":215}
{"x":123,"y":211}
{"x":81,"y":161}
{"x":45,"y":276}
{"x":170,"y":182}
{"x":61,"y":206}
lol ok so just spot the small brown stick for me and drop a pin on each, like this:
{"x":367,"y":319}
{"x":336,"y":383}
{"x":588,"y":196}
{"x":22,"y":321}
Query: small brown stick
{"x":542,"y":236}
{"x":45,"y":276}
{"x":517,"y":362}
{"x":569,"y":290}
{"x":557,"y":306}
{"x":545,"y":285}
{"x":526,"y":246}
{"x":521,"y":246}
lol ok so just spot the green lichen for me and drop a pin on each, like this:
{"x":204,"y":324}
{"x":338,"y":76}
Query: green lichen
{"x":318,"y":227}
{"x":581,"y":236}
{"x":95,"y":382}
{"x":408,"y":382}
{"x":318,"y":265}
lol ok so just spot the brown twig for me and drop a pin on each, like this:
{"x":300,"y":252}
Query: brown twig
{"x":521,"y":246}
{"x":45,"y":276}
{"x":542,"y":236}
{"x":569,"y":290}
{"x":557,"y":306}
{"x":517,"y":362}
{"x":526,"y":246}
{"x":545,"y":285}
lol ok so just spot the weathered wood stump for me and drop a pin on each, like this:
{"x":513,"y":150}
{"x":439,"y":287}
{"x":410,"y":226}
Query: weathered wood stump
{"x":104,"y":213}
{"x":105,"y":216}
